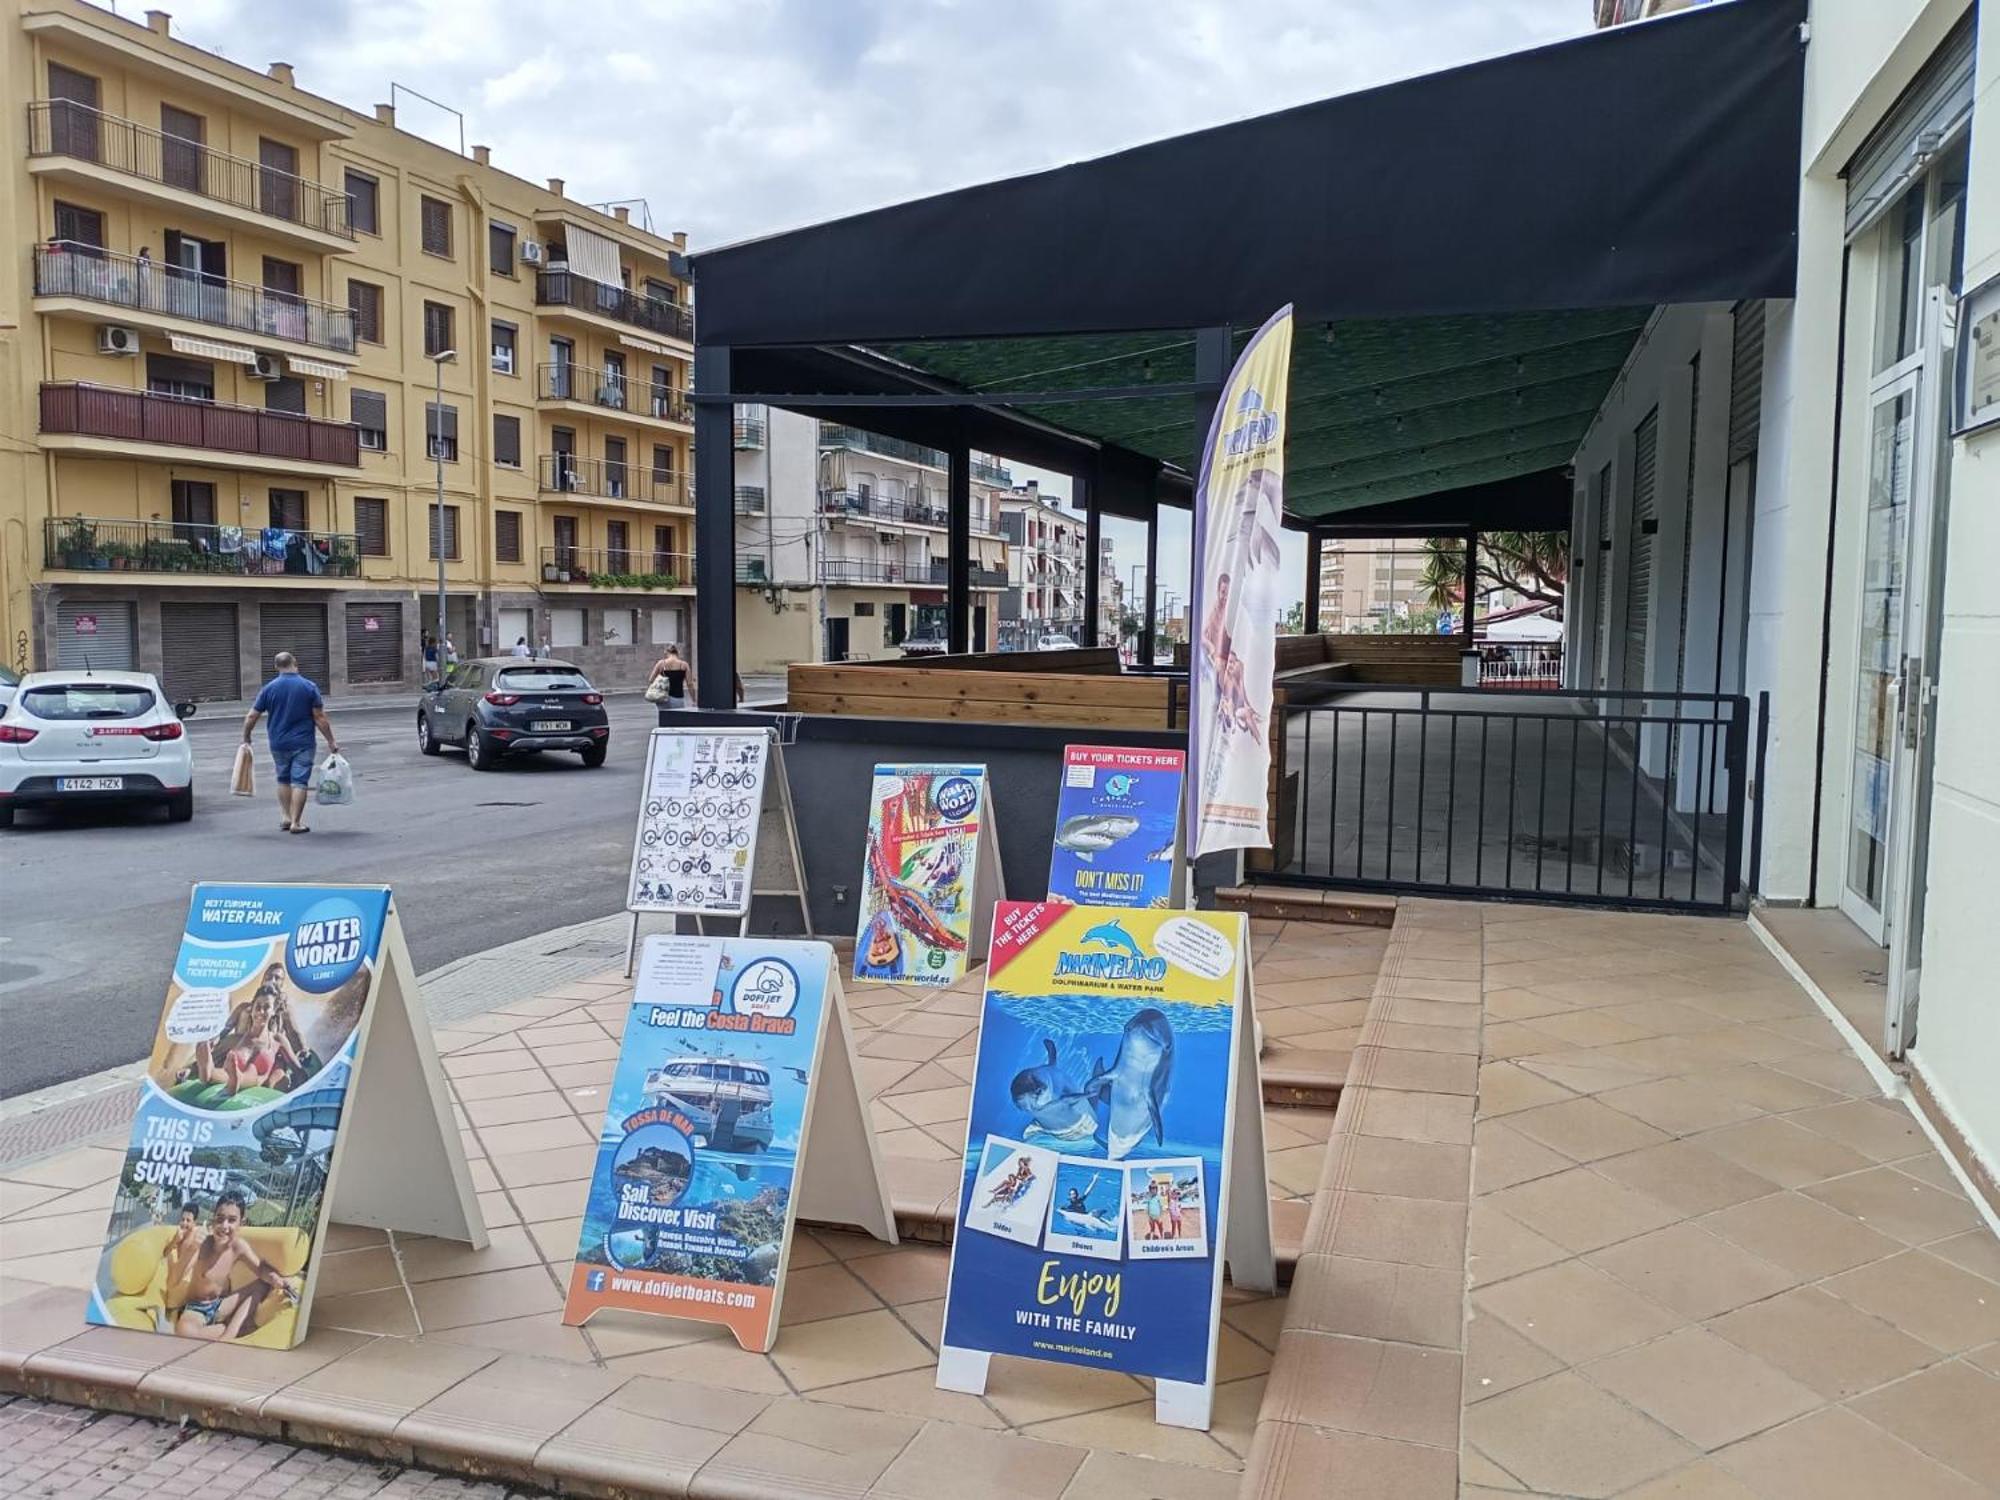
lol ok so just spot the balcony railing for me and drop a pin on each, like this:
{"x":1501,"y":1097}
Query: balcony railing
{"x":982,"y":578}
{"x":614,"y":390}
{"x":991,"y":471}
{"x":64,"y":268}
{"x":750,"y":500}
{"x":835,"y":435}
{"x":88,"y":543}
{"x":749,"y":432}
{"x":147,"y":417}
{"x":877,"y":507}
{"x":567,"y":289}
{"x":838,"y":570}
{"x":57,"y":127}
{"x":755,"y":572}
{"x":567,"y":474}
{"x":617,"y":567}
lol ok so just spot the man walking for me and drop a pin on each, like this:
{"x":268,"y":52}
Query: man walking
{"x":295,"y":709}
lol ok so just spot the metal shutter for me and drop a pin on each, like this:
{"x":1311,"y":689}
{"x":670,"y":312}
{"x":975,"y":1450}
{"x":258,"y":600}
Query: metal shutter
{"x":1601,"y":560}
{"x":1746,"y":381}
{"x":371,"y":527}
{"x":374,"y":643}
{"x":507,"y":536}
{"x":98,"y":633}
{"x":1687,"y":526}
{"x":198,"y":657}
{"x":301,"y":630}
{"x":1639,"y":553}
{"x":1936,"y":105}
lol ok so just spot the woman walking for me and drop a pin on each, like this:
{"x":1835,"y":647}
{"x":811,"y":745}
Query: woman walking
{"x":672,"y":680}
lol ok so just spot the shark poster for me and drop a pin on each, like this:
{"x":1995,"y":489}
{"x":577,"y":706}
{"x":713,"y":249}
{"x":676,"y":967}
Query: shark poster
{"x":918,"y":890}
{"x":1104,"y":1088}
{"x":1117,"y":826}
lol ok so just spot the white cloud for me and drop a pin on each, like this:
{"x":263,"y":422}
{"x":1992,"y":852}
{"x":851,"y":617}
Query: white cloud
{"x":536,"y":78}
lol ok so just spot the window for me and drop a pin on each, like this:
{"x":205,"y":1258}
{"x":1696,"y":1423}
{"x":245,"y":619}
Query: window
{"x":507,"y":536}
{"x":663,"y":549}
{"x":436,"y":217}
{"x":79,"y":227}
{"x":663,"y":391}
{"x":437,"y":328}
{"x":194,"y":502}
{"x":371,"y":527}
{"x":614,"y":468}
{"x":73,"y":113}
{"x":503,"y":347}
{"x":287,"y":394}
{"x":663,"y":464}
{"x":618,"y":544}
{"x":506,"y":441}
{"x":364,"y":300}
{"x":441,"y":432}
{"x":182,"y":135}
{"x":450,"y":531}
{"x":565,"y":543}
{"x":188,"y":379}
{"x":288,"y":509}
{"x":864,"y":609}
{"x":659,"y":291}
{"x":278,"y":179}
{"x":500,"y":249}
{"x":369,"y":410}
{"x":612,"y":393}
{"x":364,"y":202}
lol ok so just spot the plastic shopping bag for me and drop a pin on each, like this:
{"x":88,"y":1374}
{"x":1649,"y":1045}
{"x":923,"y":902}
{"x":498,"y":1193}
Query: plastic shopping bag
{"x":243,"y":775}
{"x":336,"y":782}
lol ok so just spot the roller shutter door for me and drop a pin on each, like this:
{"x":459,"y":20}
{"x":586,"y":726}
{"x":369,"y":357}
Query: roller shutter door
{"x":1601,"y":560}
{"x":301,"y":630}
{"x":1932,"y":111}
{"x":1639,"y":554}
{"x":198,"y":657}
{"x":100,"y":633}
{"x":374,"y":643}
{"x":1746,"y":381}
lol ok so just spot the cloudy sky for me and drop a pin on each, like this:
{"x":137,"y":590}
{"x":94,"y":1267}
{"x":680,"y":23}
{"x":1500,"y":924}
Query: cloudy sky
{"x":734,"y":118}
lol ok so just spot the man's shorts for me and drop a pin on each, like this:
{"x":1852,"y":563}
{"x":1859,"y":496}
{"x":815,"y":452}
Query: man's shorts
{"x":294,"y":766}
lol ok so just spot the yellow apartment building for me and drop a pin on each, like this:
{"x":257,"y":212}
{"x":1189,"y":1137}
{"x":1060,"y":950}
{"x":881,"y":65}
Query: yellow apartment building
{"x":220,"y":393}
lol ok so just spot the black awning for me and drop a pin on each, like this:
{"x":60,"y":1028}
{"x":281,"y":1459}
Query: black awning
{"x":1644,"y":164}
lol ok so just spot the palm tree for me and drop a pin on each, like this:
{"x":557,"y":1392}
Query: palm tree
{"x":1533,"y":564}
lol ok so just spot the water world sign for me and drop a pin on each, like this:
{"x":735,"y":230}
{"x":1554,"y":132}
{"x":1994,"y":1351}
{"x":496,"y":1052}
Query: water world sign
{"x":1116,"y":824}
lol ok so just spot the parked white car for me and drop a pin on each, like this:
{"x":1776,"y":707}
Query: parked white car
{"x":1055,"y":640}
{"x":9,"y":681}
{"x":79,"y":737}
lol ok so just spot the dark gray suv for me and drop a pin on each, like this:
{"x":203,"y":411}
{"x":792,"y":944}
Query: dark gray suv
{"x":512,"y":705}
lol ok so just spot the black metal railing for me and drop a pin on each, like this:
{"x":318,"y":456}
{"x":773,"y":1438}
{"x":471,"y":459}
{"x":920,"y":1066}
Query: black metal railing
{"x":57,"y":127}
{"x":982,"y":578}
{"x":838,"y":570}
{"x":838,"y":435}
{"x":567,"y":474}
{"x":1524,"y":665}
{"x":748,"y":432}
{"x":1614,"y":799}
{"x":757,"y":572}
{"x":617,"y":567}
{"x":876,"y":507}
{"x":567,"y":289}
{"x":613,"y":390}
{"x":64,"y":268}
{"x":98,"y":544}
{"x":750,"y":500}
{"x":991,"y":471}
{"x":84,"y":410}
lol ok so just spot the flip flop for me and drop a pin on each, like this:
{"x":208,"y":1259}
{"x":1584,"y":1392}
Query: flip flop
{"x":284,"y":828}
{"x":301,"y":830}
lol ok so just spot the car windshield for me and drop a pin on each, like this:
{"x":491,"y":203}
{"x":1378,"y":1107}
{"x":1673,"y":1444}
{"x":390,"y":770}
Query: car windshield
{"x":9,"y":677}
{"x":542,"y":680}
{"x":86,"y":700}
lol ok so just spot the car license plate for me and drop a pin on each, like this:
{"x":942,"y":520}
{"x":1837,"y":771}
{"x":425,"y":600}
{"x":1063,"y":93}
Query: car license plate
{"x":90,"y":783}
{"x":548,"y":726}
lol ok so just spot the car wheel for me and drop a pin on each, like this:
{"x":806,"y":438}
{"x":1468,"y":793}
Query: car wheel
{"x":479,"y":751}
{"x":427,"y":741}
{"x":180,"y":806}
{"x":594,"y":756}
{"x":6,"y":817}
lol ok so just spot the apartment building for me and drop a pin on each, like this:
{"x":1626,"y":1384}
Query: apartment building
{"x":1368,"y":584}
{"x":223,"y":364}
{"x":841,"y":543}
{"x":1044,"y":597}
{"x":1110,"y":594}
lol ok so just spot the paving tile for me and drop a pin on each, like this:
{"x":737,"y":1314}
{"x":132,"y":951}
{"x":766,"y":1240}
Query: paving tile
{"x":1497,"y":1359}
{"x":1786,"y":1154}
{"x":835,"y":1351}
{"x":1898,"y":1205}
{"x":1029,"y":1391}
{"x":1582,"y":1211}
{"x":1704,"y":1479}
{"x":1416,"y":1072}
{"x":239,"y":1379}
{"x":1104,"y":1473}
{"x":1375,"y":1226}
{"x":1833,"y":1454}
{"x":1804,"y":1236}
{"x":1506,"y":1087}
{"x":1575,"y":1311}
{"x":385,"y":1312}
{"x":539,"y":1335}
{"x":1685,"y":1175}
{"x":1880,"y":1130}
{"x":912,"y":1393}
{"x":368,"y":1393}
{"x":490,"y":1297}
{"x":1584,"y":1129}
{"x":1134,"y":1429}
{"x":1697,"y":1274}
{"x":508,"y":1247}
{"x":915,"y":1273}
{"x":1977,"y":1251}
{"x":946,"y":1459}
{"x":797,"y":1449}
{"x":1502,"y":1156}
{"x":649,"y":1435}
{"x":1365,"y":1385}
{"x":1702,"y":1387}
{"x":1299,"y":1460}
{"x":1679,"y":1106}
{"x":1374,"y":1299}
{"x":1499,"y":1247}
{"x":1838,"y":1071}
{"x":506,"y":1410}
{"x":1593,"y":1071}
{"x":1947,"y":1307}
{"x":711,"y":1360}
{"x":1406,"y":1169}
{"x":1947,"y":1412}
{"x":1442,"y":1118}
{"x":1829,"y":1345}
{"x":1565,"y":1436}
{"x":115,"y":1359}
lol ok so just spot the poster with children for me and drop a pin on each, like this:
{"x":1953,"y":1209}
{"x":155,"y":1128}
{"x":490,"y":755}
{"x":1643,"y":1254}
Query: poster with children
{"x":215,"y":1219}
{"x":1117,"y":825}
{"x":1105,"y":1083}
{"x":920,"y":882}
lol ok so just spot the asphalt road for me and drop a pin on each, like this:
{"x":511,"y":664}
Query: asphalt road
{"x":91,"y":901}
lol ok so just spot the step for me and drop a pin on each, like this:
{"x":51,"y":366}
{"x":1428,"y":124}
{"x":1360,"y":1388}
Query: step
{"x":1299,"y":903}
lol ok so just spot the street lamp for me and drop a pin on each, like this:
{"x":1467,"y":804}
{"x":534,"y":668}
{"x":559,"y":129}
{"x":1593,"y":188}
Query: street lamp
{"x":440,"y":359}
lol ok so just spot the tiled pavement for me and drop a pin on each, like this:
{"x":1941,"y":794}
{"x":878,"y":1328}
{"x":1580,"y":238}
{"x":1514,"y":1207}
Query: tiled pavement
{"x":1606,"y":1210}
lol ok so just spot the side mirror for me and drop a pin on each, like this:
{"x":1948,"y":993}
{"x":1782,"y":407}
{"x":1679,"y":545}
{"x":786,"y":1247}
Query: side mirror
{"x":184,"y":710}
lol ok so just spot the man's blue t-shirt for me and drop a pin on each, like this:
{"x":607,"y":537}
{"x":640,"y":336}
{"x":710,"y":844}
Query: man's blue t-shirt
{"x":289,"y":700}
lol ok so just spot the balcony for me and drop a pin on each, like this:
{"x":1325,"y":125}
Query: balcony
{"x":168,"y":297}
{"x":91,"y":544}
{"x":849,"y":505}
{"x":624,"y":484}
{"x":991,"y":471}
{"x":754,"y":572}
{"x":982,"y":578}
{"x":750,"y":500}
{"x":78,"y":143}
{"x":101,"y":419}
{"x":596,"y":300}
{"x":611,"y":392}
{"x":748,"y":433}
{"x":834,"y":435}
{"x":843,"y":570}
{"x":624,"y":568}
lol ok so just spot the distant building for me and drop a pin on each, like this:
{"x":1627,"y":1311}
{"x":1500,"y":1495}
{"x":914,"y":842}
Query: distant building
{"x":1045,"y":562}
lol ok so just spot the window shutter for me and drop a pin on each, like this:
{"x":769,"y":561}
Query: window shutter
{"x":450,"y":529}
{"x":440,"y":428}
{"x":369,"y":410}
{"x":507,"y":440}
{"x":507,"y":536}
{"x":437,"y":226}
{"x":371,"y":526}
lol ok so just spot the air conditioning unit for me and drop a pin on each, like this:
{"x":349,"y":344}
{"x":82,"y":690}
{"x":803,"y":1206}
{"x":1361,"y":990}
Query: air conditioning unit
{"x":266,"y":367}
{"x":116,"y":340}
{"x":531,"y":252}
